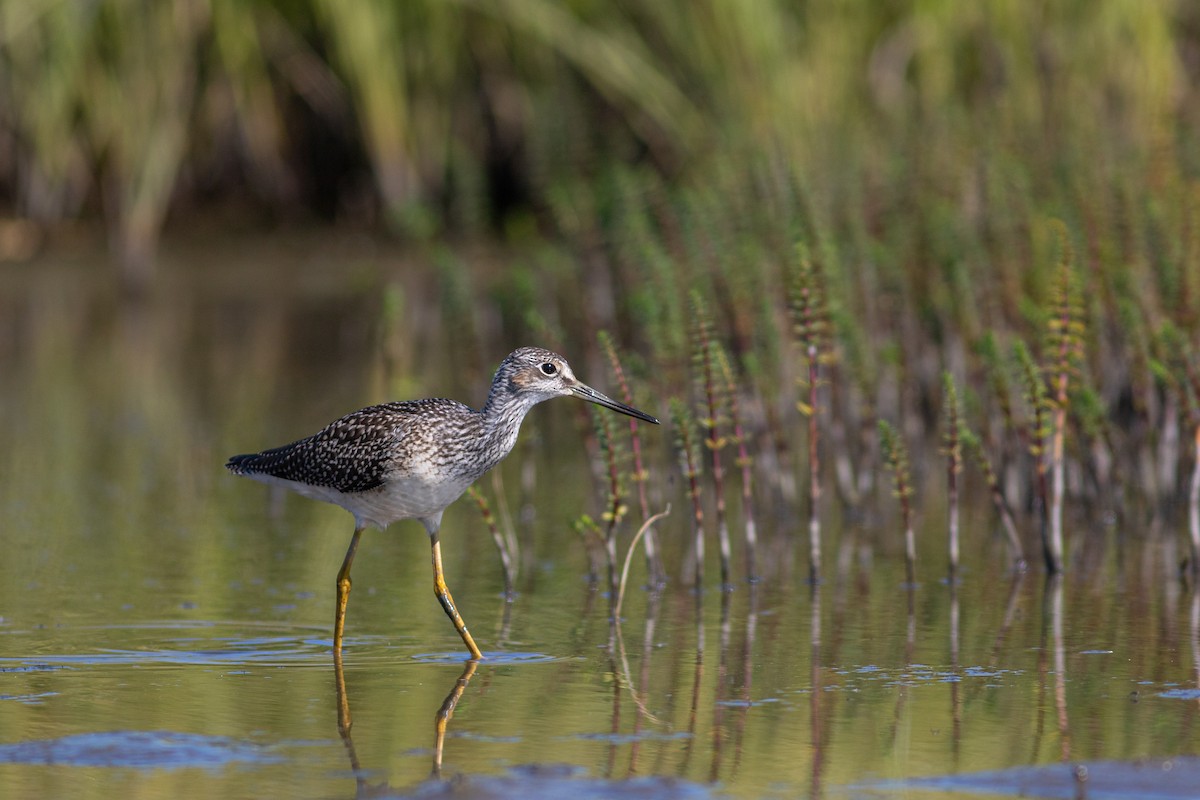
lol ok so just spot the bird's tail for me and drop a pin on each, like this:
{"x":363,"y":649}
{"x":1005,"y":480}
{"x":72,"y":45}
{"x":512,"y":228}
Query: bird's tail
{"x":244,"y":464}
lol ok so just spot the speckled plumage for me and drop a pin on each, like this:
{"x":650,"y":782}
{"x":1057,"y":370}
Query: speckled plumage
{"x":382,"y":463}
{"x":409,"y":460}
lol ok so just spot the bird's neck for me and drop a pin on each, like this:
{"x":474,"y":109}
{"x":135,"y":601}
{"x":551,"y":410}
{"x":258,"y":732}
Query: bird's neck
{"x":501,"y":416}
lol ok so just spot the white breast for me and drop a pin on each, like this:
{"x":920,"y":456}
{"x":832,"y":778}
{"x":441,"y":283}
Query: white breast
{"x":413,"y":497}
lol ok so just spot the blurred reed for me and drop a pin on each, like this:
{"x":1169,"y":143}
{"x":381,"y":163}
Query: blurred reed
{"x":973,"y":183}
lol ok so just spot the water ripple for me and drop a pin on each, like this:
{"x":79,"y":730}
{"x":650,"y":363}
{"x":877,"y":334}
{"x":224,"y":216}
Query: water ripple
{"x":141,"y":749}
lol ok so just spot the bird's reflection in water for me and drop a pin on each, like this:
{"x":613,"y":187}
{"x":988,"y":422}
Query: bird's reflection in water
{"x":441,"y":719}
{"x":447,"y":711}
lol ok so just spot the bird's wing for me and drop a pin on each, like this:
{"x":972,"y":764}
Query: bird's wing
{"x":349,"y":455}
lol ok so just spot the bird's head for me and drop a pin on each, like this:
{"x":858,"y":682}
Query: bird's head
{"x":538,"y":374}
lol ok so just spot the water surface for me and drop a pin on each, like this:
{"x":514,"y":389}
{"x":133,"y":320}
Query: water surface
{"x":165,"y":628}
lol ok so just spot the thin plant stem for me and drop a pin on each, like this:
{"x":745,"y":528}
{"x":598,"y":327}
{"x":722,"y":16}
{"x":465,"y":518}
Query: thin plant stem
{"x":1066,"y":339}
{"x":506,"y":556}
{"x":704,"y":359}
{"x":647,"y":526}
{"x":1194,"y":508}
{"x":505,"y":522}
{"x":808,"y":322}
{"x":616,"y":509}
{"x":1183,"y":361}
{"x":953,"y":454}
{"x":814,"y":472}
{"x":896,"y":455}
{"x":1016,"y":549}
{"x":746,"y":462}
{"x":654,"y":565}
{"x":690,"y":464}
{"x":1035,"y":396}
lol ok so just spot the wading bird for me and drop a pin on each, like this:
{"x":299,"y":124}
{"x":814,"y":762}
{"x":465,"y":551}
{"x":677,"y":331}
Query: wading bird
{"x":410,"y":460}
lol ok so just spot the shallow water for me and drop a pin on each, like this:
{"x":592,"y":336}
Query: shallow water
{"x":165,"y":628}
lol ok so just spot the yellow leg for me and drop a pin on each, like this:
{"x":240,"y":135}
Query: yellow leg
{"x":343,"y":594}
{"x":443,"y":595}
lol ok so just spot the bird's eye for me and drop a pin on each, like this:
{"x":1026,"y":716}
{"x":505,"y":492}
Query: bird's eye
{"x":549,"y":369}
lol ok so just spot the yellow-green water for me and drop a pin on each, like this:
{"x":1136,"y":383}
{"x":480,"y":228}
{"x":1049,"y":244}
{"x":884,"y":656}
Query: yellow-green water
{"x":165,"y":627}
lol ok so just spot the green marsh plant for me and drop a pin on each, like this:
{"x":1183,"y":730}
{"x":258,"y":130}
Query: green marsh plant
{"x":1181,"y":370}
{"x":952,"y":450}
{"x":656,"y":574}
{"x":1037,"y":430}
{"x":1065,"y":347}
{"x":745,"y":462}
{"x":615,"y":507}
{"x":712,"y":390}
{"x":810,"y":327}
{"x":689,"y":462}
{"x":895,"y":455}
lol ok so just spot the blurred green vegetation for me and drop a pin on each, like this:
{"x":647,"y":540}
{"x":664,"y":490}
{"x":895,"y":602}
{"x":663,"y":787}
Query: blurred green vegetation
{"x":616,"y":159}
{"x":465,"y":116}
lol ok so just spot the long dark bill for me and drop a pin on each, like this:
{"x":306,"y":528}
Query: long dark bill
{"x":586,"y":392}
